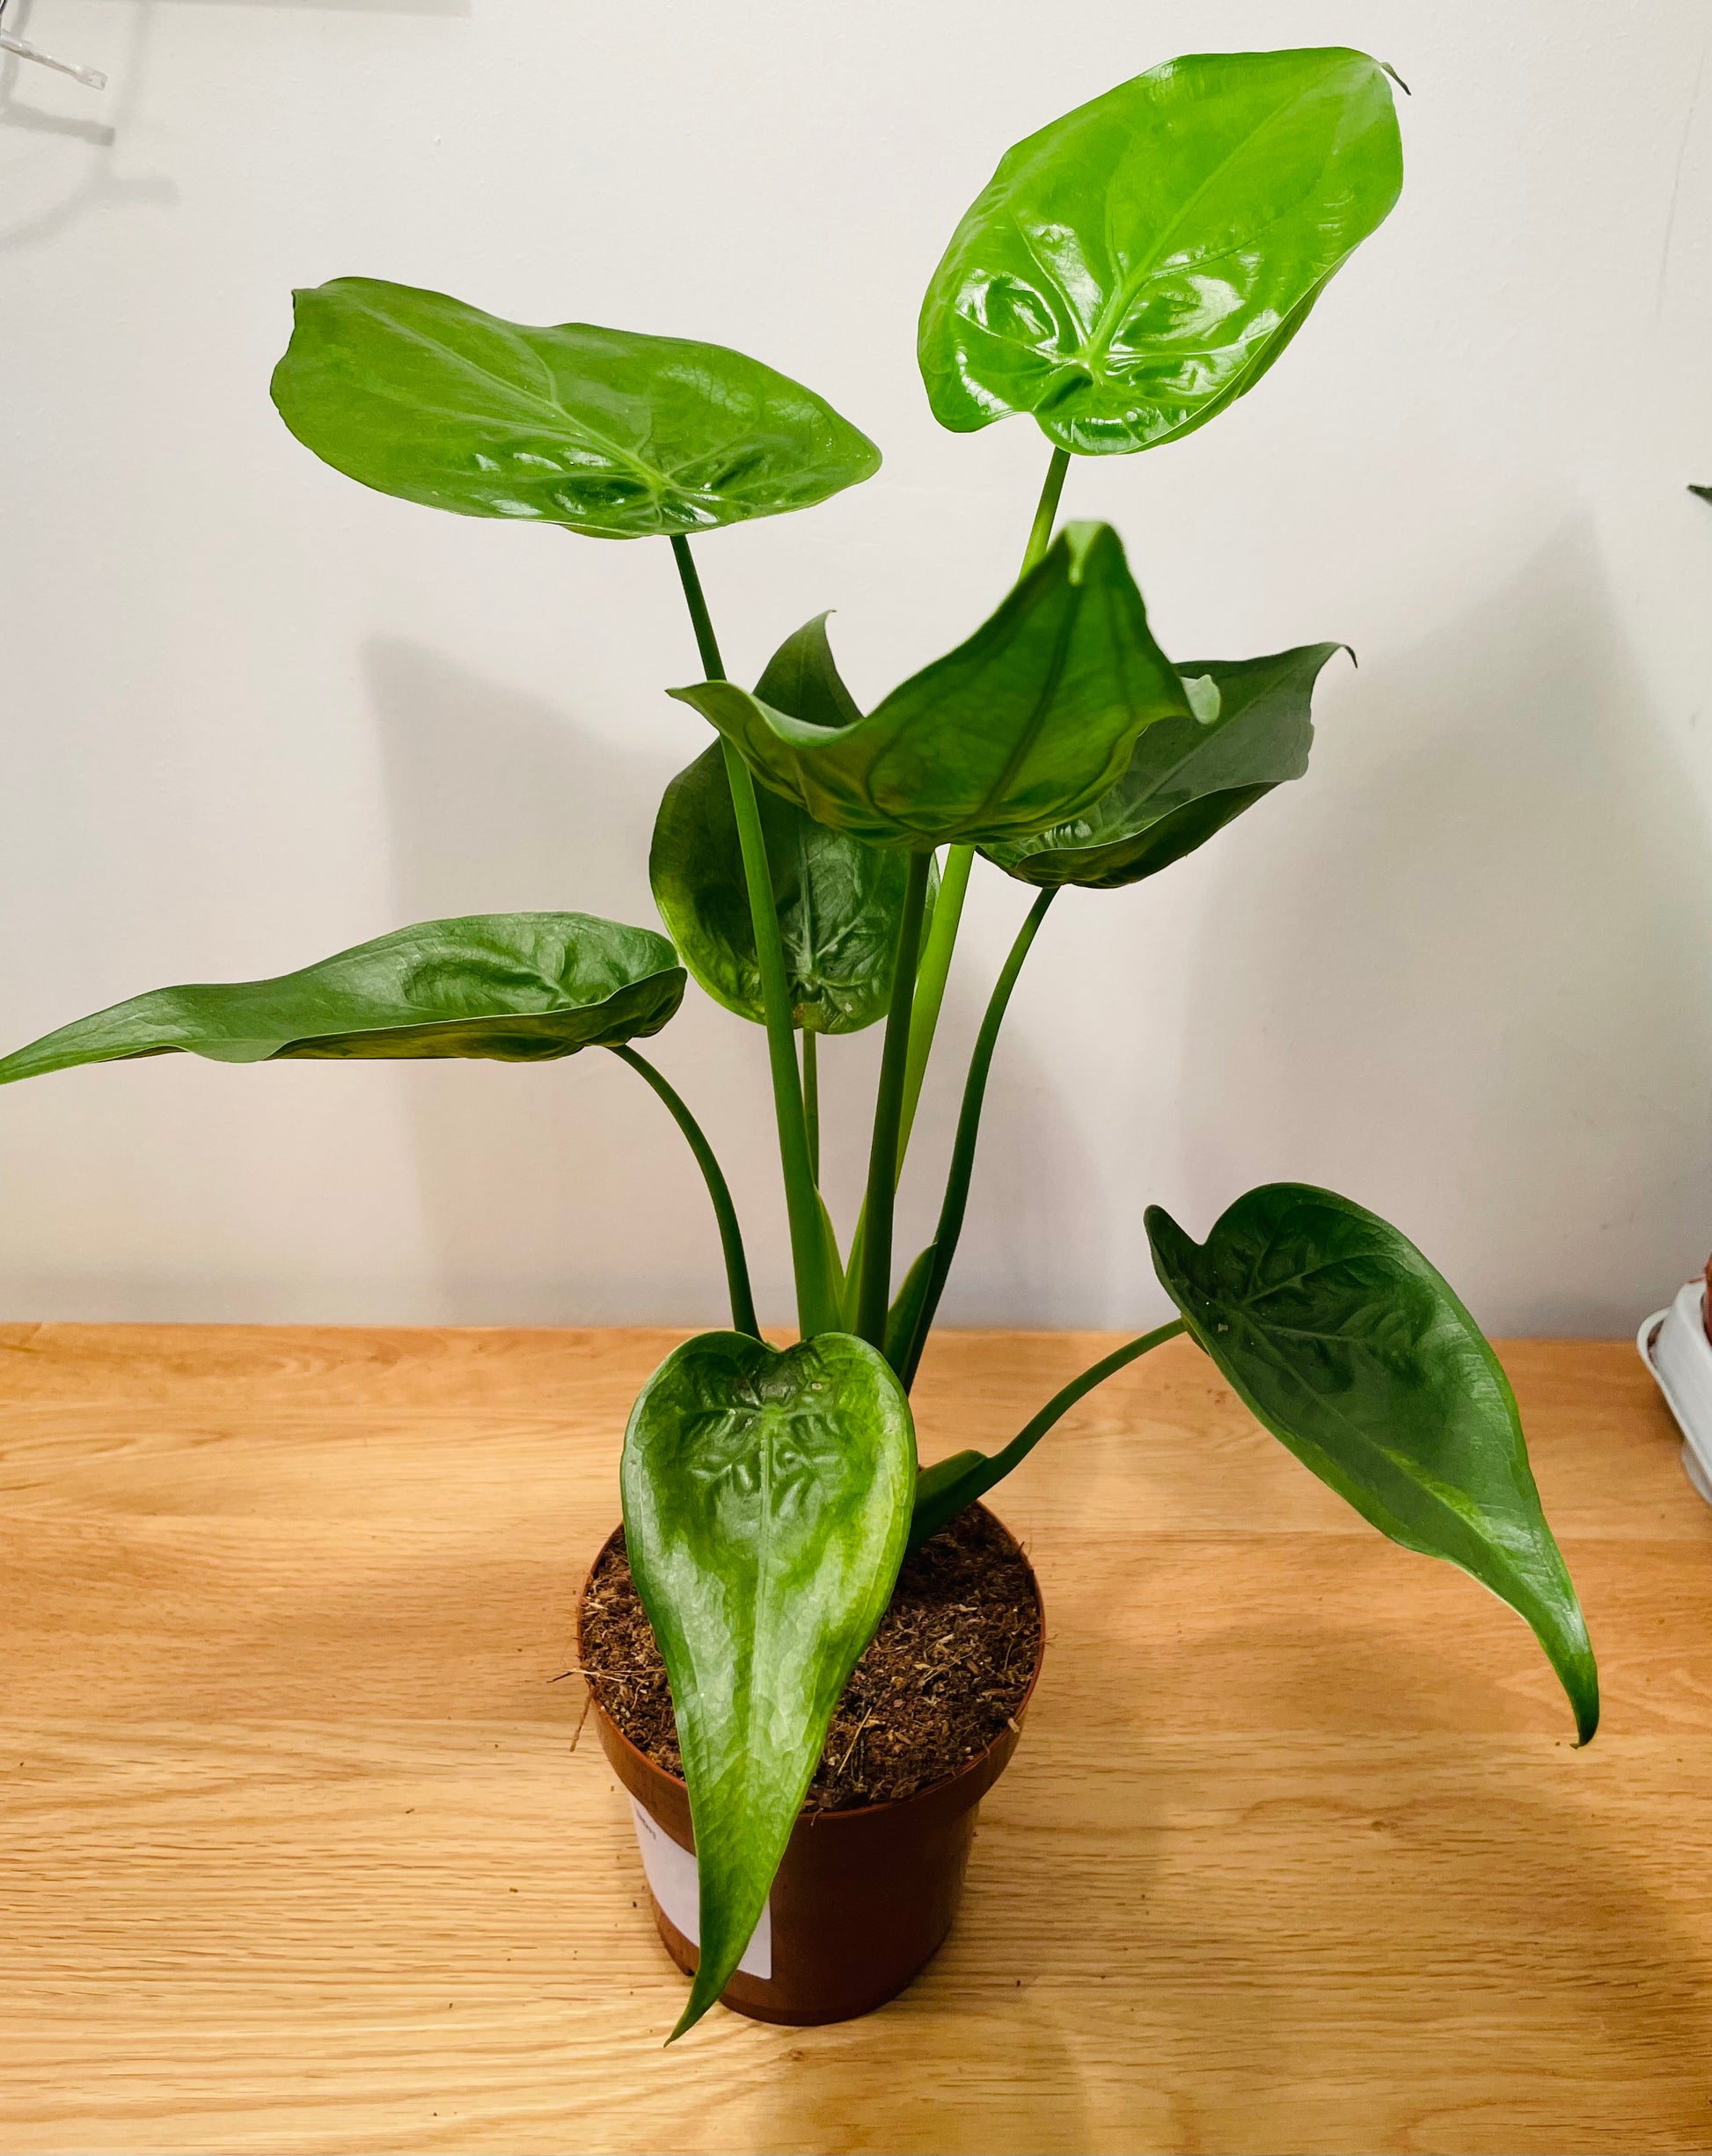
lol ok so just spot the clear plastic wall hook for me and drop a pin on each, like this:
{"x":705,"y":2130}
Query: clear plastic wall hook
{"x":92,"y":78}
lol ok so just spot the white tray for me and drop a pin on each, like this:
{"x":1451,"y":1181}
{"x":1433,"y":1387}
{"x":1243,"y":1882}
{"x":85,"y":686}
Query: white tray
{"x":1674,"y":1347}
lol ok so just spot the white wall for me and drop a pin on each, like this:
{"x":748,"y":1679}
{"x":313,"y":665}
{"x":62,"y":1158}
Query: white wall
{"x":254,"y":714}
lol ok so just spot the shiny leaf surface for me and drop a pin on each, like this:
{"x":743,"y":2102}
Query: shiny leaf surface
{"x":838,"y":900}
{"x":1354,"y":1351}
{"x":514,"y":987}
{"x":1142,"y":261}
{"x":610,"y":433}
{"x":1029,"y":721}
{"x":766,"y":1501}
{"x":1188,"y":778}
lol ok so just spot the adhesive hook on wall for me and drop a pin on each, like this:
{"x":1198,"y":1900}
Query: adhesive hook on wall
{"x":92,"y":78}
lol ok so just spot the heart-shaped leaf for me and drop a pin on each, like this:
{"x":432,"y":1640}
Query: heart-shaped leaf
{"x":1354,"y":1351}
{"x":1188,"y":778}
{"x":1029,"y":721}
{"x":609,"y":432}
{"x":766,"y":1501}
{"x":1138,"y":264}
{"x":838,"y":900}
{"x":516,"y":988}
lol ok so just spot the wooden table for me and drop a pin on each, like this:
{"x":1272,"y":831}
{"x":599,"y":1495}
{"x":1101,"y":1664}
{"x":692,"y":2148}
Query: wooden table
{"x":302,"y":1853}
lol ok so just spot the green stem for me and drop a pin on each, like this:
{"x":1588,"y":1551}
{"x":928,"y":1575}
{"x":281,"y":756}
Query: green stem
{"x":944,"y":1489}
{"x":959,"y":860}
{"x":815,"y":1301}
{"x":731,"y":1235}
{"x":811,"y":1099}
{"x":874,"y":1289}
{"x":969,"y":1131}
{"x":930,"y":976}
{"x":1046,"y":512}
{"x":930,"y":982}
{"x":1061,"y":1403}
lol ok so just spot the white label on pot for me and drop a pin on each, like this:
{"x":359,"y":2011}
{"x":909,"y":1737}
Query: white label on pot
{"x":674,"y":1884}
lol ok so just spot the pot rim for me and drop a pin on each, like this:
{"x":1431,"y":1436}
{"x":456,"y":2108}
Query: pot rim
{"x":850,"y":1811}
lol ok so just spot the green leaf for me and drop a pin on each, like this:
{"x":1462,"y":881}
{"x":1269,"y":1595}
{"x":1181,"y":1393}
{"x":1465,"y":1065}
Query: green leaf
{"x":1705,"y":492}
{"x":904,"y":1319}
{"x":803,"y":681}
{"x":1349,"y":1347}
{"x":1026,"y":724}
{"x":767,"y":1500}
{"x":838,"y":900}
{"x":516,"y":988}
{"x":609,"y":432}
{"x":1188,"y":778}
{"x":828,"y":1242}
{"x":1137,"y":265}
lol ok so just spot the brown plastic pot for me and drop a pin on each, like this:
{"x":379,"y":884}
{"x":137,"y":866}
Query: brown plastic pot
{"x":863,"y":1898}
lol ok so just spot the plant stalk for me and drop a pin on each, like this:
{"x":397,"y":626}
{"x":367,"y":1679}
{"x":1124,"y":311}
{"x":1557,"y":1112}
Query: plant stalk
{"x":1046,"y":512}
{"x":731,"y":1234}
{"x":1061,"y":1403}
{"x":811,"y":1099}
{"x":959,"y":860}
{"x":816,"y":1300}
{"x":931,"y":977}
{"x":969,"y":1130}
{"x":945,"y":1488}
{"x":873,"y":1291}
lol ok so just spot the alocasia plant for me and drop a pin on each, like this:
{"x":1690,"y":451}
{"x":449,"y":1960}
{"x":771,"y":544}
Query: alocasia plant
{"x":1130,"y":270}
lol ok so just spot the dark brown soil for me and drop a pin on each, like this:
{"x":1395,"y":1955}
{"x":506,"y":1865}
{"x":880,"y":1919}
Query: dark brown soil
{"x":945,"y":1671}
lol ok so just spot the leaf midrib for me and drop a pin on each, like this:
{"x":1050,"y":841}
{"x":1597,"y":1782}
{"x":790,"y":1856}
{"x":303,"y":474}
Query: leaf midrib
{"x":1045,"y":696}
{"x":1099,"y":342}
{"x":565,"y":422}
{"x":1429,"y":1487}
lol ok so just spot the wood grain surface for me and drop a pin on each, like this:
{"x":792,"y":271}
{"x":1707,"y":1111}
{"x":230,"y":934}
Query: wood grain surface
{"x":301,"y":1851}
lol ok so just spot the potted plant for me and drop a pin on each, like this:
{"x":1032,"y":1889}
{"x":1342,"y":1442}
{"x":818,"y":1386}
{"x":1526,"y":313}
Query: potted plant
{"x":1129,"y":271}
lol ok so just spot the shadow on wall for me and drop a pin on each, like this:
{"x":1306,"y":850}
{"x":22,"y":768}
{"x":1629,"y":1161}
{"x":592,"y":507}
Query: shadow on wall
{"x":556,"y":1193}
{"x":1500,"y":870}
{"x":47,"y":186}
{"x":48,"y":195}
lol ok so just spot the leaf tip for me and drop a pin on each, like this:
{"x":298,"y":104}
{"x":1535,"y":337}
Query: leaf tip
{"x":1396,"y":78}
{"x":702,"y":1996}
{"x":1081,"y":538}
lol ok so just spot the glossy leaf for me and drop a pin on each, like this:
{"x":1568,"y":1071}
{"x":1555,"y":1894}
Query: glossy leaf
{"x":514,"y":987}
{"x":766,"y":1501}
{"x":1140,"y":262}
{"x":1029,"y":721}
{"x":1188,"y":778}
{"x":838,"y":898}
{"x":1353,"y":1350}
{"x":610,"y":433}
